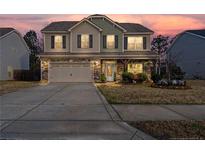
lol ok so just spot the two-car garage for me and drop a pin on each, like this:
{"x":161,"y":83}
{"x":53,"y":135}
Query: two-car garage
{"x":70,"y":72}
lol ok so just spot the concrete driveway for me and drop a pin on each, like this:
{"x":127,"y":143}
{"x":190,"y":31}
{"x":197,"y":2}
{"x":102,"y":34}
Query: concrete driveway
{"x":62,"y":111}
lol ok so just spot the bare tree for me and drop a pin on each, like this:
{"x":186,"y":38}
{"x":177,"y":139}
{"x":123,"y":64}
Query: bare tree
{"x":159,"y":45}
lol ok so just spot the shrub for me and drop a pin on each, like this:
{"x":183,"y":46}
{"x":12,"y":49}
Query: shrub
{"x":155,"y":77}
{"x":142,"y":77}
{"x":176,"y":72}
{"x":102,"y":78}
{"x":115,"y":76}
{"x":127,"y":77}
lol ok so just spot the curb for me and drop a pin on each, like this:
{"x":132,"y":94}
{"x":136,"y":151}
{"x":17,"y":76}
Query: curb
{"x":114,"y":116}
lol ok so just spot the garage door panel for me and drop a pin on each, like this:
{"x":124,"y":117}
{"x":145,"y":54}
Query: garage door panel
{"x":70,"y":72}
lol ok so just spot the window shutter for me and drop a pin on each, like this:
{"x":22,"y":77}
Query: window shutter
{"x":144,"y":42}
{"x":64,"y":42}
{"x":116,"y":41}
{"x":90,"y":41}
{"x":104,"y":41}
{"x":52,"y":42}
{"x":125,"y":42}
{"x":79,"y":41}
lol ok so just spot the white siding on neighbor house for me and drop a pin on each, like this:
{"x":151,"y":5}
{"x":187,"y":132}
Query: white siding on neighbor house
{"x":47,"y":42}
{"x":189,"y":53}
{"x":85,"y":28}
{"x":13,"y":54}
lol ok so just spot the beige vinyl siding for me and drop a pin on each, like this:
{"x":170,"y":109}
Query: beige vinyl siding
{"x":85,"y":28}
{"x":47,"y":42}
{"x":109,"y":29}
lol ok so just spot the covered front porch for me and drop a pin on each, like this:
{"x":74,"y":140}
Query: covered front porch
{"x":112,"y":69}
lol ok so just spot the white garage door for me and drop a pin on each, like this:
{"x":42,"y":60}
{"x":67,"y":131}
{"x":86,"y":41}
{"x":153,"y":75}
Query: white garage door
{"x":69,"y":72}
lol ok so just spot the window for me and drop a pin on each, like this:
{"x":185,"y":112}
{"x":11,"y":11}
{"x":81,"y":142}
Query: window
{"x":110,"y":41}
{"x":135,"y":68}
{"x":135,"y":43}
{"x":84,"y":41}
{"x":58,"y":42}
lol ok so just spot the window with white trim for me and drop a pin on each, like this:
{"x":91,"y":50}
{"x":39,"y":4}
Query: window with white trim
{"x":110,"y":44}
{"x":135,"y":43}
{"x":135,"y":68}
{"x":58,"y":41}
{"x":85,"y":41}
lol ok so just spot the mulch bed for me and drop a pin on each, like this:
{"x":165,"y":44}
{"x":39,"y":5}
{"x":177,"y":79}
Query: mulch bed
{"x":171,"y":87}
{"x":191,"y":130}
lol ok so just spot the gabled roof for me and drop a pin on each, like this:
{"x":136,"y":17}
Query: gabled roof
{"x":59,"y":26}
{"x":134,"y":27}
{"x":110,"y":20}
{"x":4,"y":31}
{"x":85,"y":20}
{"x":197,"y":33}
{"x":97,"y":15}
{"x":200,"y":32}
{"x":63,"y":26}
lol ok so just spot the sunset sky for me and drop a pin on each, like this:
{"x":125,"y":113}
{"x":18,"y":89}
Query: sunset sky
{"x":160,"y":24}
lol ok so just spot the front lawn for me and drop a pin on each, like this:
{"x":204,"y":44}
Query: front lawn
{"x":144,"y":94}
{"x":11,"y":86}
{"x":172,"y":129}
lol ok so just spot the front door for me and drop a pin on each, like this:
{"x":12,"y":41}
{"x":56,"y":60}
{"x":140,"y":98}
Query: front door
{"x":110,"y":70}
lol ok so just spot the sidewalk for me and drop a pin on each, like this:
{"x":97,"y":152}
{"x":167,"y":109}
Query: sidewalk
{"x":160,"y":112}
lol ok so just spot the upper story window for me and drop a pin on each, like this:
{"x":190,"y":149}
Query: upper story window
{"x":110,"y":41}
{"x":85,"y":41}
{"x":58,"y":42}
{"x":134,"y":43}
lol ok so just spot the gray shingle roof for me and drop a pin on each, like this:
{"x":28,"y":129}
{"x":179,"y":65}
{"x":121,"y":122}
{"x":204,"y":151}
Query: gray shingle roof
{"x":200,"y":32}
{"x":4,"y":31}
{"x":65,"y":25}
{"x":59,"y":26}
{"x":134,"y":27}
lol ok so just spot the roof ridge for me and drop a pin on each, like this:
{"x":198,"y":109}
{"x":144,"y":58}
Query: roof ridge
{"x":64,"y":21}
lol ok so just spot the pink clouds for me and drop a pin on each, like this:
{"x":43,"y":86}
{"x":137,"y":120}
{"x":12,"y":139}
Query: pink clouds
{"x":161,"y":24}
{"x":165,"y":24}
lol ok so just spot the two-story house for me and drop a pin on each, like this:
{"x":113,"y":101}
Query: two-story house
{"x":80,"y":51}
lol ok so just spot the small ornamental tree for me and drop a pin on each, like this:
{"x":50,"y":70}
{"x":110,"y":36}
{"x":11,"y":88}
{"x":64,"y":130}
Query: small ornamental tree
{"x":159,"y":45}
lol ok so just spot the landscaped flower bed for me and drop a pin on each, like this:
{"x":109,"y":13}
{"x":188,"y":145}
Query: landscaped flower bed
{"x":154,"y":85}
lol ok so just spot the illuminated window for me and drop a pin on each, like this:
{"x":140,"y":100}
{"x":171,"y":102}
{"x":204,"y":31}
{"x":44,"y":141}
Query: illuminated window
{"x":58,"y":42}
{"x":135,"y":43}
{"x":110,"y":41}
{"x":135,"y":68}
{"x":84,"y":41}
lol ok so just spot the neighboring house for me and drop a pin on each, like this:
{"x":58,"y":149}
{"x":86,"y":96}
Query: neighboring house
{"x":80,"y":51}
{"x":188,"y":52}
{"x":14,"y":53}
